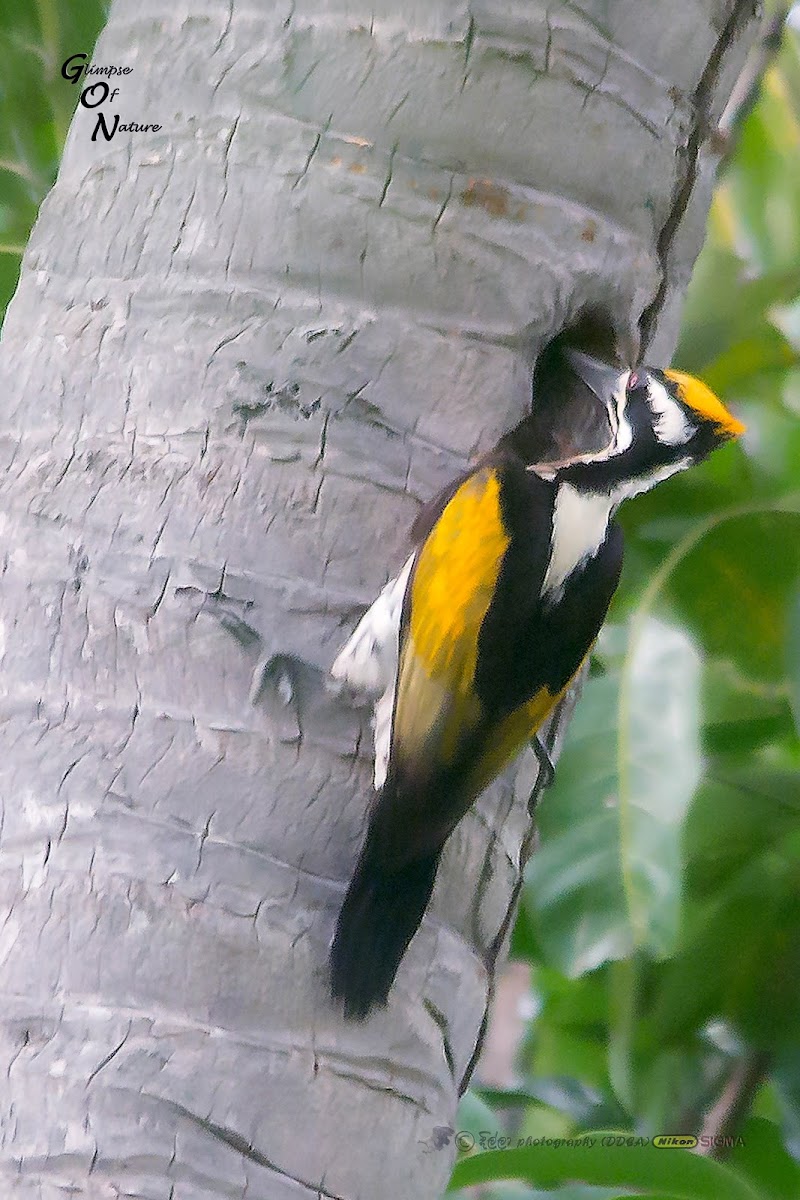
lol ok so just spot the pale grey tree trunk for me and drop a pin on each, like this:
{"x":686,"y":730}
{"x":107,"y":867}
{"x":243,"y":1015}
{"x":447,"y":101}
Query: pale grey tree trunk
{"x":243,"y":349}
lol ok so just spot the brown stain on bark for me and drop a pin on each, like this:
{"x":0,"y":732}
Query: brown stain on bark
{"x":492,"y":197}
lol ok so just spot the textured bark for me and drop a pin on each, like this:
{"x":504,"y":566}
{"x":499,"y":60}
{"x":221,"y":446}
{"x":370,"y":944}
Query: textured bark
{"x":242,"y":350}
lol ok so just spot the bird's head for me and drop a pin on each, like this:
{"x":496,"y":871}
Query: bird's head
{"x":661,"y":422}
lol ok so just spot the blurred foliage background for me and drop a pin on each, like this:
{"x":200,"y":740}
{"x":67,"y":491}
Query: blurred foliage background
{"x":660,"y":926}
{"x":661,"y":914}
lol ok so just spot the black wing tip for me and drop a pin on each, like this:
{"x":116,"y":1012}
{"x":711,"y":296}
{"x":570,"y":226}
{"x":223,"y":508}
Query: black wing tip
{"x":356,"y":1000}
{"x":379,"y":917}
{"x":353,"y":983}
{"x":360,"y":977}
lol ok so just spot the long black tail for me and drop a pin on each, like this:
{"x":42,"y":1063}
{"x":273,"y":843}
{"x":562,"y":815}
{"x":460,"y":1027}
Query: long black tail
{"x":379,"y":917}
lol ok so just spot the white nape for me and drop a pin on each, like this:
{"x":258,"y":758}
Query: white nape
{"x":368,"y":662}
{"x":580,"y":522}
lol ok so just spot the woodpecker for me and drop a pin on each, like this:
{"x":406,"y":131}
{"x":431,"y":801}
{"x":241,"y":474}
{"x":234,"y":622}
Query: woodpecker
{"x":473,"y":644}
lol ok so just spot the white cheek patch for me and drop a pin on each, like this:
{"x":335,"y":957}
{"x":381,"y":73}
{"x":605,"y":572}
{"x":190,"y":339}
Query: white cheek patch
{"x":368,"y":662}
{"x":671,"y":426}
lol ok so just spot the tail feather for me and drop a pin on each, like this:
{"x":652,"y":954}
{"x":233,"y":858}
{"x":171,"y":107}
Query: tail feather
{"x":380,"y":915}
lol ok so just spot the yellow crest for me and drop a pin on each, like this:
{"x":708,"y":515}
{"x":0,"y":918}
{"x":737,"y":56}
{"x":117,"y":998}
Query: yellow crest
{"x":698,"y":396}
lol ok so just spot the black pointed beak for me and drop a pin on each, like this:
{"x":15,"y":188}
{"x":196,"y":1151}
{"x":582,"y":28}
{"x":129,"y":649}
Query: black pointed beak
{"x":574,"y":414}
{"x":601,"y":378}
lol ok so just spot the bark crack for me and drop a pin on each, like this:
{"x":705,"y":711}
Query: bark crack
{"x":240,"y":1145}
{"x":558,"y":722}
{"x":469,"y":40}
{"x":111,"y":1055}
{"x":689,"y":156}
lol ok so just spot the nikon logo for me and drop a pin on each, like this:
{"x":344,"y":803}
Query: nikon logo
{"x":672,"y":1141}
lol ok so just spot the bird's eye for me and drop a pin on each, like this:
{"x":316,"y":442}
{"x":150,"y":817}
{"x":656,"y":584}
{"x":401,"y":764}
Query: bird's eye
{"x":636,"y":382}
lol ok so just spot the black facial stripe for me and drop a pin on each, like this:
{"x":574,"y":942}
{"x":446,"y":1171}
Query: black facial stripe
{"x":646,"y":454}
{"x":643,"y":455}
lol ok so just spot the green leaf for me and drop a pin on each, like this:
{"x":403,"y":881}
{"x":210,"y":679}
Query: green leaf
{"x":741,"y":957}
{"x":762,"y":1158}
{"x":793,"y":656}
{"x":741,"y":812}
{"x":573,"y":887}
{"x":739,"y":717}
{"x":733,"y":589}
{"x":475,"y":1119}
{"x":567,"y":1096}
{"x":645,"y":1167}
{"x":606,"y":876}
{"x":762,"y":353}
{"x":726,"y":312}
{"x":659,"y":767}
{"x":786,"y":1082}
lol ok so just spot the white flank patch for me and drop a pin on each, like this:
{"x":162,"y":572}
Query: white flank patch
{"x":368,"y":662}
{"x":580,"y":521}
{"x":384,"y":708}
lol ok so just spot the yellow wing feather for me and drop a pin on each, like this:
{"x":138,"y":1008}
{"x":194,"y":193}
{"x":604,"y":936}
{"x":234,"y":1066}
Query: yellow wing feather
{"x":509,"y":736}
{"x":452,"y":587}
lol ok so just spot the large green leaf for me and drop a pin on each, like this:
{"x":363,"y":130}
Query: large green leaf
{"x":475,"y":1119}
{"x":761,"y":1157}
{"x":606,"y":876}
{"x":573,"y":889}
{"x":659,"y":767}
{"x":654,"y":1172}
{"x":732,"y":577}
{"x":793,"y":656}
